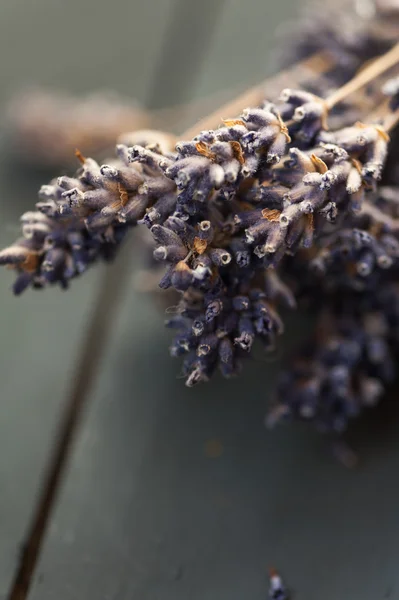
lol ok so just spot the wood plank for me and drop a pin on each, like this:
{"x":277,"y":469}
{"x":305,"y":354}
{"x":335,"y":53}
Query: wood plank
{"x":39,"y":335}
{"x":177,"y":493}
{"x":67,"y":46}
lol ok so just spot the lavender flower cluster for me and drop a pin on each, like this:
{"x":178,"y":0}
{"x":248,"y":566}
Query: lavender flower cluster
{"x":249,"y":218}
{"x":348,"y":363}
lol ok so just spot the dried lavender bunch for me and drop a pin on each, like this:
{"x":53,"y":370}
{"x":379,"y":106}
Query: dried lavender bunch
{"x":352,"y":272}
{"x":80,"y":220}
{"x":362,"y":254}
{"x":191,"y":200}
{"x":352,"y":31}
{"x":358,"y":257}
{"x":347,"y":365}
{"x":231,"y":212}
{"x":218,"y":328}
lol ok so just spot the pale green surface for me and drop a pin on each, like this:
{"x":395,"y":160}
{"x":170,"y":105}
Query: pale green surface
{"x":78,"y":46}
{"x":39,"y":337}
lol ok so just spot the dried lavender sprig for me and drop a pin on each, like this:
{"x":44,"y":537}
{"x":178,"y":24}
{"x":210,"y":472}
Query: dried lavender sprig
{"x":317,"y":183}
{"x":108,"y":210}
{"x":65,"y":213}
{"x":81,"y":219}
{"x":193,"y":229}
{"x":378,"y":66}
{"x":250,"y":214}
{"x":93,"y":190}
{"x":217,"y":329}
{"x":372,"y":146}
{"x":364,"y":252}
{"x":348,"y":365}
{"x":353,"y":31}
{"x":302,"y":73}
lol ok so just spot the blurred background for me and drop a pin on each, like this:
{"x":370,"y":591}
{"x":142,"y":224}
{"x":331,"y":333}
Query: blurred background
{"x":170,"y":493}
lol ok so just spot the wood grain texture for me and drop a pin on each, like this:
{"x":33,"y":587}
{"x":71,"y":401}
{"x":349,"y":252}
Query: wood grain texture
{"x":148,"y":513}
{"x":41,"y":332}
{"x":39,"y":337}
{"x":171,"y":493}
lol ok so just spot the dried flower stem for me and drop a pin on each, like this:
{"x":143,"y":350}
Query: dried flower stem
{"x":378,"y":216}
{"x":383,"y":114}
{"x":317,"y":64}
{"x":374,"y":70}
{"x":391,"y":120}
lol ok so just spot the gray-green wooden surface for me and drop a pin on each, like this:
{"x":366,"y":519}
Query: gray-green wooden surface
{"x":145,"y":512}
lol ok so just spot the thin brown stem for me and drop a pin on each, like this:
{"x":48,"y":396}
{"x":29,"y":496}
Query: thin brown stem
{"x":384,"y":116}
{"x":391,"y":120}
{"x":378,"y":216}
{"x":172,"y":115}
{"x":374,"y":70}
{"x":317,"y":64}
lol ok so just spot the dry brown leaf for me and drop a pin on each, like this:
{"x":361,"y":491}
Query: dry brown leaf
{"x":319,"y":164}
{"x":271,"y":215}
{"x":232,"y":122}
{"x":237,"y":151}
{"x":203,"y":149}
{"x":199,"y":245}
{"x":30,"y":263}
{"x":80,"y":156}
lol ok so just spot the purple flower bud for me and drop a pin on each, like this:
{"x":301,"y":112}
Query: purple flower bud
{"x":246,"y":335}
{"x":213,"y":309}
{"x":22,"y":282}
{"x":165,"y":236}
{"x":182,"y":276}
{"x":133,"y":210}
{"x":241,"y":303}
{"x":208,"y":344}
{"x":226,"y":357}
{"x":220,"y":257}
